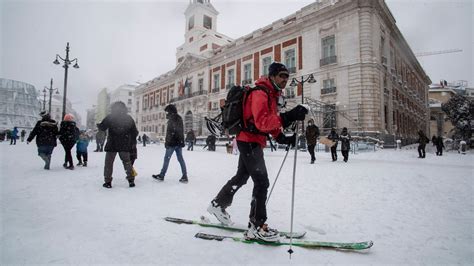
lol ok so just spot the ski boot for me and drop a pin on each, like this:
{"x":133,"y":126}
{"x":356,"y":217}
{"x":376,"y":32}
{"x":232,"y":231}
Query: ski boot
{"x":264,"y":233}
{"x":219,"y":213}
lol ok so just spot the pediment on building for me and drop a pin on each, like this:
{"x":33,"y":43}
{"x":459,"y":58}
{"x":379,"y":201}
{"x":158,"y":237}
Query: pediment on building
{"x":188,"y":62}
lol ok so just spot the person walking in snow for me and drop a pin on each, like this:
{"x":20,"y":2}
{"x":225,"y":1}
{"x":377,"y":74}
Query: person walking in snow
{"x":335,"y":138}
{"x":81,"y":149}
{"x":312,"y":134}
{"x":45,"y":132}
{"x":68,"y":135}
{"x":174,"y":142}
{"x":22,"y":135}
{"x":122,"y":134}
{"x":439,"y":146}
{"x":422,"y":141}
{"x":190,"y":139}
{"x":260,"y":112}
{"x":145,"y":139}
{"x":14,"y":136}
{"x":345,"y":138}
{"x":100,"y":140}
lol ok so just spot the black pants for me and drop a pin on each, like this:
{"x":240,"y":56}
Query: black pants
{"x":421,"y":151}
{"x":81,"y":156}
{"x":345,"y":154}
{"x":251,"y":163}
{"x":68,"y":156}
{"x":109,"y":165}
{"x":311,"y":151}
{"x":334,"y":153}
{"x":439,"y":151}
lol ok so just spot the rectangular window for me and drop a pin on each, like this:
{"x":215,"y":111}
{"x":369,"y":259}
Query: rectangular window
{"x":247,"y":74}
{"x":290,"y":60}
{"x":129,"y":93}
{"x":207,"y":23}
{"x":129,"y":101}
{"x":216,"y":83}
{"x":290,"y":92}
{"x":328,"y":45}
{"x":329,"y":116}
{"x":201,"y":85}
{"x":265,"y":64}
{"x":328,"y":86}
{"x":230,"y":78}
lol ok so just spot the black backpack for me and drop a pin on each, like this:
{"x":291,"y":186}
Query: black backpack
{"x":233,"y":110}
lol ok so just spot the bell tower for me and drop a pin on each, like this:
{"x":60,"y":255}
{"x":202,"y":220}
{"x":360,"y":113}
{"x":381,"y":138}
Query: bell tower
{"x":200,"y":36}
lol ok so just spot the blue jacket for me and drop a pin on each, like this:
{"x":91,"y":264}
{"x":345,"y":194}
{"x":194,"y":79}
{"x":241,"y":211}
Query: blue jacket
{"x":82,"y":144}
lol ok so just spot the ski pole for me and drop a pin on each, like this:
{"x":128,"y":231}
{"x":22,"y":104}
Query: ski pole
{"x":278,"y":174}
{"x":293,"y":126}
{"x":293,"y":191}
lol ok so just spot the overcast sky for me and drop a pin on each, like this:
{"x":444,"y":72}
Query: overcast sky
{"x":123,"y":42}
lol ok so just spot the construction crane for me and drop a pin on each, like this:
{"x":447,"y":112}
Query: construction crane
{"x":420,"y":54}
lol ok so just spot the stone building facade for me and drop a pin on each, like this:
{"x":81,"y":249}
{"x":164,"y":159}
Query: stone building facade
{"x":368,"y":79}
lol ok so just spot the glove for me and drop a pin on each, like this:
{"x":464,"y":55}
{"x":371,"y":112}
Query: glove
{"x":296,"y":114}
{"x":282,"y":139}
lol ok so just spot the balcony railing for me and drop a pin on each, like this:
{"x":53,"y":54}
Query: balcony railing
{"x":228,"y":86}
{"x":292,"y":70}
{"x":328,"y":60}
{"x":197,"y":93}
{"x":215,"y":90}
{"x":328,"y":90}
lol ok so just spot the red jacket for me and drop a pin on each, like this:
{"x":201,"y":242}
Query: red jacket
{"x":264,"y":116}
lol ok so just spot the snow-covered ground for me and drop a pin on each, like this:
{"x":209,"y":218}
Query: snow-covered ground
{"x":417,"y":211}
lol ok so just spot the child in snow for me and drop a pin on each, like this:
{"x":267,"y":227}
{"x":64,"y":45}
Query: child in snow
{"x":81,"y":149}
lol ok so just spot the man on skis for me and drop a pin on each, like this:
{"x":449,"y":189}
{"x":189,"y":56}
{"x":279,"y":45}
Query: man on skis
{"x":260,"y":116}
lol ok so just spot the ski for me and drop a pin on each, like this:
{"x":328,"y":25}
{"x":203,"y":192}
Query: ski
{"x":285,"y":242}
{"x":236,"y":228}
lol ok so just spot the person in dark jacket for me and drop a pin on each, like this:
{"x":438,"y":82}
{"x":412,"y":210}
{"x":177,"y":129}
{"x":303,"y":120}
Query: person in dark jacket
{"x":422,"y":141}
{"x":100,"y":140}
{"x":81,"y":149}
{"x":312,"y":134}
{"x":345,"y":138}
{"x":14,"y":136}
{"x":45,"y":132}
{"x":433,"y":140}
{"x":260,"y":112}
{"x":122,"y":134}
{"x":145,"y":140}
{"x":174,"y":142}
{"x":335,"y":138}
{"x":439,"y":146}
{"x":210,"y":143}
{"x":68,"y":136}
{"x":190,"y":139}
{"x":23,"y":134}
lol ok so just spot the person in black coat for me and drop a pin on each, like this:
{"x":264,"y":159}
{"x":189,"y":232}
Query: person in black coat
{"x":345,"y":138}
{"x":312,"y":135}
{"x":439,"y":146}
{"x":68,"y":136}
{"x":335,"y":138}
{"x":45,"y":132}
{"x":174,"y":142}
{"x":422,"y":141}
{"x":121,"y":139}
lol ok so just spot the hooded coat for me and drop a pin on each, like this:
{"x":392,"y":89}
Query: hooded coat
{"x":45,"y":132}
{"x":264,"y":115}
{"x":122,"y":129}
{"x":345,"y":138}
{"x":312,"y":134}
{"x":68,"y":133}
{"x":174,"y":131}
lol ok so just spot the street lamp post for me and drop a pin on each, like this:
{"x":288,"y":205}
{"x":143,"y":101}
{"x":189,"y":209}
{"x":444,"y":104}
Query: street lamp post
{"x":67,"y":62}
{"x":50,"y":89}
{"x":44,"y":99}
{"x":302,"y":80}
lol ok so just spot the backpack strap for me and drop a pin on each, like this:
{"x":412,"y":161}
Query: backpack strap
{"x":252,"y":128}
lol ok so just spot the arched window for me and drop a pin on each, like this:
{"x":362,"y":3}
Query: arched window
{"x":188,"y":121}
